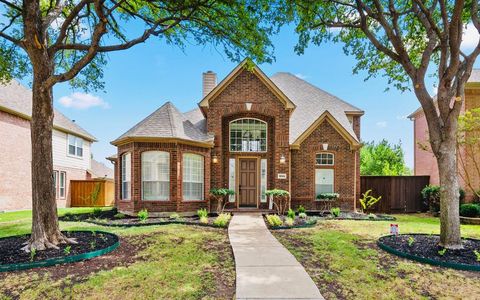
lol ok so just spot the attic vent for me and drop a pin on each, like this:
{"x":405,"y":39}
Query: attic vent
{"x":209,"y":82}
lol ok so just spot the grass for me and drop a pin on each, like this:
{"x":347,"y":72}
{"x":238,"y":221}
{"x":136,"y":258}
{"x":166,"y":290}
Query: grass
{"x":153,"y":262}
{"x":345,"y":263}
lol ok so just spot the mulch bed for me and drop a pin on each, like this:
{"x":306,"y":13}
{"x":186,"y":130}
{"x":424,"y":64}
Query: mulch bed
{"x":11,"y":253}
{"x":357,"y":216}
{"x":426,"y":248}
{"x":134,"y":222}
{"x":298,"y":222}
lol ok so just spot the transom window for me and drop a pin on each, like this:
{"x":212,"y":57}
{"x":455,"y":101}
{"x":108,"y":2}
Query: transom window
{"x":155,"y":175}
{"x":248,"y":135}
{"x":324,"y":159}
{"x":75,"y":145}
{"x":193,"y":176}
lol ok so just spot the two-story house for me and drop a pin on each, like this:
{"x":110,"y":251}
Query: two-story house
{"x":71,"y":150}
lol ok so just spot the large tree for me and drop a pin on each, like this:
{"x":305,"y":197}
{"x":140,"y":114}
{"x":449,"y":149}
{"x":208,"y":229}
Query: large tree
{"x":67,"y":40}
{"x":382,"y":158}
{"x":406,"y":41}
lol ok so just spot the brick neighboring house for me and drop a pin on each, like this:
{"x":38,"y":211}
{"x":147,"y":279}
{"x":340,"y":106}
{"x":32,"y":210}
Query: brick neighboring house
{"x":71,"y":150}
{"x":250,"y":133}
{"x":425,"y":163}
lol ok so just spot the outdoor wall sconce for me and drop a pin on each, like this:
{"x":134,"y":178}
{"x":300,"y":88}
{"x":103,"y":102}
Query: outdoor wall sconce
{"x":248,"y":105}
{"x":215,"y":159}
{"x":325,"y":147}
{"x":282,"y":159}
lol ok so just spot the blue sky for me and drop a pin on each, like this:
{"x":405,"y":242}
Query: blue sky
{"x":141,"y":79}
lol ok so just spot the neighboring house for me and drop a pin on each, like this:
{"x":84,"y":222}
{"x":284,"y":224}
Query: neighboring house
{"x":71,"y":150}
{"x":100,"y":170}
{"x":250,"y":133}
{"x":425,"y":162}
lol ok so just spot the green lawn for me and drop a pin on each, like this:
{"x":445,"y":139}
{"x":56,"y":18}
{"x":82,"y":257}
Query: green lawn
{"x":345,"y":263}
{"x":153,"y":262}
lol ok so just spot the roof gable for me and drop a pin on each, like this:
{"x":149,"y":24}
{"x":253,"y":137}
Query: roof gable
{"x":246,"y":64}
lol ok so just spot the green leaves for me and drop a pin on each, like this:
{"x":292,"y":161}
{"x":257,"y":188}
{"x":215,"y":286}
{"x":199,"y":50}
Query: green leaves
{"x":382,"y":159}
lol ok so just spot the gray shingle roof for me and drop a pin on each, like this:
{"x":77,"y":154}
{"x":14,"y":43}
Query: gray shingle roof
{"x":311,"y":103}
{"x":17,"y":98}
{"x":100,"y":170}
{"x":167,"y":122}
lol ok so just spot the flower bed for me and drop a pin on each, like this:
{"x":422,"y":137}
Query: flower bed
{"x":90,"y":244}
{"x":357,"y":216}
{"x":425,"y":249}
{"x":298,"y":222}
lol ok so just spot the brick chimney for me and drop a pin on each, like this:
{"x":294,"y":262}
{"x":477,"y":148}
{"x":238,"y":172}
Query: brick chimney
{"x":209,"y":82}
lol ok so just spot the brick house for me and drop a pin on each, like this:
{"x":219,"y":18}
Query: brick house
{"x":71,"y":150}
{"x":250,"y":133}
{"x":425,"y":163}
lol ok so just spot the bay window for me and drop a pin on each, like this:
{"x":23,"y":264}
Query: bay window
{"x":155,"y":175}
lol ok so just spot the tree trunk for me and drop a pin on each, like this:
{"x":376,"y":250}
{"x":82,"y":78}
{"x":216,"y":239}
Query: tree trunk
{"x":450,"y":237}
{"x":45,"y":230}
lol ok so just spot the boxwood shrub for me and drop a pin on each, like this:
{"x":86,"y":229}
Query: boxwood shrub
{"x":470,"y":210}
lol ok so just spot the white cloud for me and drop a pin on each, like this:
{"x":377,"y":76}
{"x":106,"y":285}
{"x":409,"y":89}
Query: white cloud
{"x":83,"y":101}
{"x":470,"y":37}
{"x":399,"y":117}
{"x":381,"y":124}
{"x":301,"y":76}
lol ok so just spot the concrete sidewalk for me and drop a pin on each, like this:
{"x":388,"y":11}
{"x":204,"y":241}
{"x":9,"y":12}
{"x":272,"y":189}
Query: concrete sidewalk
{"x":265,"y":269}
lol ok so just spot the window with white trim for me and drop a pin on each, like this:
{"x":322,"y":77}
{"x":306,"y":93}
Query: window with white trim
{"x":324,"y":181}
{"x":193,"y":176}
{"x":126,"y":167}
{"x":62,"y":184}
{"x":248,"y":135}
{"x":75,"y":145}
{"x":324,"y":159}
{"x":55,"y":183}
{"x":155,"y":175}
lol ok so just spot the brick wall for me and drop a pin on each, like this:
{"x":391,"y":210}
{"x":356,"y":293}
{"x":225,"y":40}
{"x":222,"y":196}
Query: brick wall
{"x":303,"y":168}
{"x":175,"y":202}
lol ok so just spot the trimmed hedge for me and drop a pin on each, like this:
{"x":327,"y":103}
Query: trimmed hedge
{"x":470,"y":210}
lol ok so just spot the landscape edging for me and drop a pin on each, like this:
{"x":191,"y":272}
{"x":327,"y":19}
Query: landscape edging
{"x":457,"y":266}
{"x":62,"y":260}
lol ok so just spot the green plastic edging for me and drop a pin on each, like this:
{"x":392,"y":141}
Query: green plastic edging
{"x":154,"y":224}
{"x":293,"y":227}
{"x":62,"y":260}
{"x":457,"y":266}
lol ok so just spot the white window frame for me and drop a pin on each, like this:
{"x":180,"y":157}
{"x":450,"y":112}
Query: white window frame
{"x":158,"y":173}
{"x":333,"y":180}
{"x":62,"y":185}
{"x":55,"y":183}
{"x":230,"y":136}
{"x":78,"y":143}
{"x":231,"y":178}
{"x":324,"y":153}
{"x":126,"y":175}
{"x":201,"y":180}
{"x":263,"y":180}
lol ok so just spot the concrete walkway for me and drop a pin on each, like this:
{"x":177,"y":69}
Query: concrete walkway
{"x":265,"y":269}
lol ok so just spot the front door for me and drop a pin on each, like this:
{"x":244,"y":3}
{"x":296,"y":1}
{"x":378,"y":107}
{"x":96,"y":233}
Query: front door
{"x":247,"y":185}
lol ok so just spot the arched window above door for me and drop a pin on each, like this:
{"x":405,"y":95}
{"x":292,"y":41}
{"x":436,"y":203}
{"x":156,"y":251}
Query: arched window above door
{"x":248,"y":135}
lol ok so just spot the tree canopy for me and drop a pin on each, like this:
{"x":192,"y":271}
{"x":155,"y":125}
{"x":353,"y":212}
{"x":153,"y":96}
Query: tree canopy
{"x":383,"y":158}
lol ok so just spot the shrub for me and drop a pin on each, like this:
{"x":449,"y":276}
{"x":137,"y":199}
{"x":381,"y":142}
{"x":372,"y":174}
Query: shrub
{"x":470,"y":210}
{"x":431,"y":197}
{"x":335,"y":211}
{"x":328,"y":196}
{"x":97,"y":211}
{"x":477,"y":254}
{"x":462,"y":195}
{"x":280,"y":199}
{"x":204,"y":220}
{"x":367,"y":200}
{"x":274,"y":220}
{"x":119,"y":216}
{"x":202,"y":213}
{"x":411,"y":241}
{"x":291,"y":213}
{"x":302,"y":215}
{"x":219,"y":194}
{"x":289,"y":221}
{"x":301,"y":209}
{"x":222,"y":220}
{"x":174,"y":216}
{"x":143,"y":215}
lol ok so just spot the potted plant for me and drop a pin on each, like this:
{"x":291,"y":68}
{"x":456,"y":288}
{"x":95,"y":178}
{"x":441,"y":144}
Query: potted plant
{"x":219,"y":194}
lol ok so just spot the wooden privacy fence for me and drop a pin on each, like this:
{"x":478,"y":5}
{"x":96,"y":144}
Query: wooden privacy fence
{"x":92,"y":193}
{"x":400,"y":194}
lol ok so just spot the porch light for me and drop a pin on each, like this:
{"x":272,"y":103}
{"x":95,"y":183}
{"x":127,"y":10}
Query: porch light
{"x":215,"y":159}
{"x":248,"y":105}
{"x":282,"y":159}
{"x":325,"y":147}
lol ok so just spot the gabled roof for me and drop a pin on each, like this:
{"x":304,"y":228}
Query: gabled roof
{"x":311,"y":103}
{"x":168,"y":123}
{"x":473,"y":81}
{"x":17,"y":100}
{"x":246,"y":63}
{"x":100,"y":170}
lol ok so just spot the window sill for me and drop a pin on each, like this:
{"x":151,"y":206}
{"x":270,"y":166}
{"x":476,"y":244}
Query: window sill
{"x":183,"y":200}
